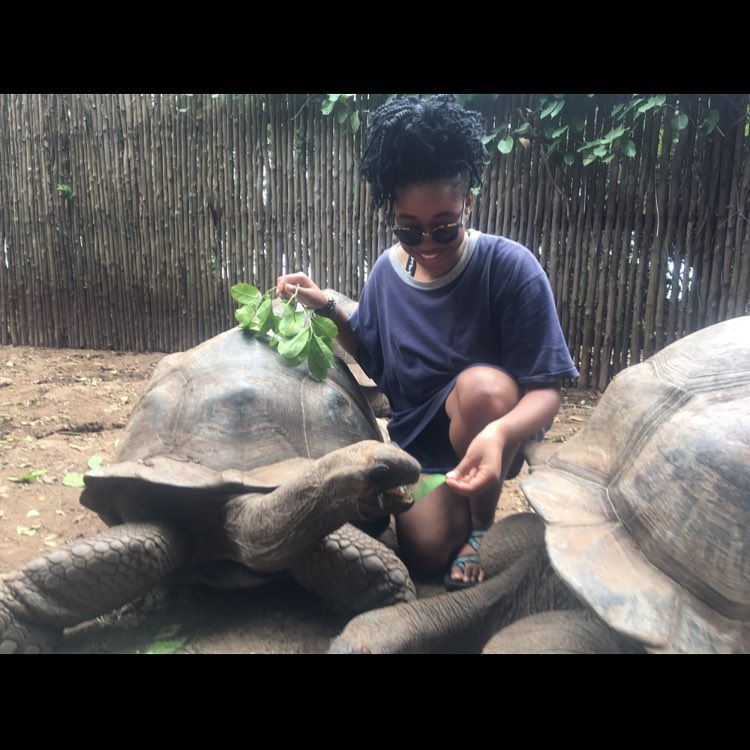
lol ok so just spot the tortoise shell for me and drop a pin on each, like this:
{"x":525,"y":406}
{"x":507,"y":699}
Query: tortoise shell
{"x":227,"y":417}
{"x":648,"y":507}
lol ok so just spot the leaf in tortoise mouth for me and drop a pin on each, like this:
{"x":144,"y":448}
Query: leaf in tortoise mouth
{"x":426,"y":485}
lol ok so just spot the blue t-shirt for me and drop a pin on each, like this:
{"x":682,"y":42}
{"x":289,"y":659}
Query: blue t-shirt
{"x":495,"y":307}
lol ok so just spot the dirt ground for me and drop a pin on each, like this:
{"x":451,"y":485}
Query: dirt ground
{"x":61,"y":410}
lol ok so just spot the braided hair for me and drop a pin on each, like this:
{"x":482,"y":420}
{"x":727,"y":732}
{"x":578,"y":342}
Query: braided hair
{"x":414,"y":140}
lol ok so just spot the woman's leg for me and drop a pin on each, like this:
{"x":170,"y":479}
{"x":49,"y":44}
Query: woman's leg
{"x":435,"y":529}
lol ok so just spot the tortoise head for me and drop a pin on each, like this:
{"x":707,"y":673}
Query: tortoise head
{"x":369,"y":476}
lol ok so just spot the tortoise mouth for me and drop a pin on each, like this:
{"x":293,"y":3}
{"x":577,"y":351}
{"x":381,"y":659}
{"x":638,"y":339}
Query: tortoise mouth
{"x":395,"y":500}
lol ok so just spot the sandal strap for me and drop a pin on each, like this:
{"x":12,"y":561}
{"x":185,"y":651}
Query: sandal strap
{"x":460,"y":562}
{"x":474,"y":537}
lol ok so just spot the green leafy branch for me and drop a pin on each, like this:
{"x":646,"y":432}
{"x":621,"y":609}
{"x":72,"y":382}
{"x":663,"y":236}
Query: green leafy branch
{"x":300,"y":335}
{"x":558,"y":122}
{"x":341,"y":106}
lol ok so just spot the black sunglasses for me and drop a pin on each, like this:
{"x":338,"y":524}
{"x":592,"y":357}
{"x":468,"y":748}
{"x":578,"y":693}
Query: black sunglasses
{"x":443,"y":235}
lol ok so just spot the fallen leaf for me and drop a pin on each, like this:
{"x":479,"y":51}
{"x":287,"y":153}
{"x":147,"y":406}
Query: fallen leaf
{"x":51,"y":544}
{"x":60,"y":512}
{"x":33,"y":514}
{"x":73,"y":479}
{"x":2,"y":513}
{"x":577,"y":419}
{"x":167,"y":641}
{"x":50,"y":537}
{"x":95,"y":462}
{"x":28,"y":478}
{"x":25,"y":530}
{"x":166,"y":647}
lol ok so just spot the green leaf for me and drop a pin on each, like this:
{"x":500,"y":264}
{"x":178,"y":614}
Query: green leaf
{"x":341,"y":116}
{"x":426,"y":485}
{"x":588,"y":158}
{"x":327,"y":107}
{"x":295,"y":361}
{"x":547,"y":111}
{"x":558,"y":108}
{"x":680,"y":122}
{"x":245,"y":315}
{"x":557,"y":133}
{"x":607,"y":159}
{"x":569,"y":159}
{"x":632,"y":104}
{"x":711,"y":121}
{"x":95,"y":462}
{"x":166,"y":646}
{"x":616,"y":109}
{"x":613,"y":135}
{"x":522,"y":129}
{"x":355,"y":122}
{"x":629,"y":149}
{"x":324,"y":327}
{"x":487,"y":139}
{"x":600,"y":151}
{"x":654,"y":101}
{"x":319,"y":358}
{"x":265,"y":314}
{"x":505,"y":146}
{"x":73,"y":479}
{"x":291,"y":348}
{"x":245,"y":293}
{"x":28,"y":478}
{"x":291,"y":323}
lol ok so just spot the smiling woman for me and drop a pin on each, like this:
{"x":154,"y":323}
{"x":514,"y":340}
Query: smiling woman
{"x":457,"y":327}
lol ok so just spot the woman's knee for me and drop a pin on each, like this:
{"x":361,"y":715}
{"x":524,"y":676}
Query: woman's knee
{"x":483,"y":393}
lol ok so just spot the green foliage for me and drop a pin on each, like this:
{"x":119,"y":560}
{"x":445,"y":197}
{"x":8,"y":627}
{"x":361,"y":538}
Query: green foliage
{"x":558,"y":123}
{"x":300,"y":335}
{"x":66,"y":191}
{"x":341,"y":106}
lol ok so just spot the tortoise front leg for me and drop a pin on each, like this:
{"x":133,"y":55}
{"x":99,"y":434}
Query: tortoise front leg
{"x":354,"y":572}
{"x":84,"y":579}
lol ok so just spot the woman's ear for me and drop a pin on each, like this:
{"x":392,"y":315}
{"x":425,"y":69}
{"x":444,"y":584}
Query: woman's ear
{"x":469,"y":203}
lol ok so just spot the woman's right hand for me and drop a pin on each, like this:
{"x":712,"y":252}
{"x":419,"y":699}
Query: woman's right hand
{"x":309,"y":294}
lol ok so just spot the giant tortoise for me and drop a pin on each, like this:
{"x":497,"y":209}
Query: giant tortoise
{"x":233,"y":467}
{"x":641,"y":541}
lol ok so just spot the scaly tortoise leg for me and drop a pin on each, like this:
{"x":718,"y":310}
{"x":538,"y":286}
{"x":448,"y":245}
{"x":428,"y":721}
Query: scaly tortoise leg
{"x":84,"y":579}
{"x":354,"y":572}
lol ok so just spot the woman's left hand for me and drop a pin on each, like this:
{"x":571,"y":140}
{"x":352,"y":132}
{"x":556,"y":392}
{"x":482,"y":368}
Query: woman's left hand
{"x":481,"y":468}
